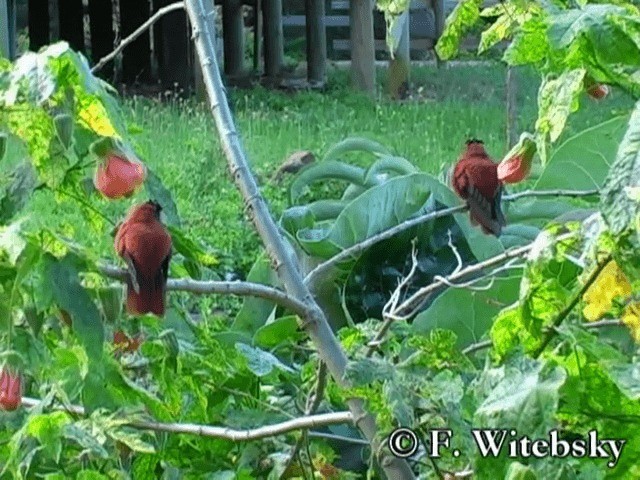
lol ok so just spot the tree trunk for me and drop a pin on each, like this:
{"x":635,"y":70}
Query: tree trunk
{"x":273,"y":37}
{"x":313,"y":321}
{"x":316,"y":41}
{"x":233,"y":35}
{"x":363,"y":54}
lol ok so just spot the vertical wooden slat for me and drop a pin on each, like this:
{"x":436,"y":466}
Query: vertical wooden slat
{"x":38,"y":24}
{"x":172,"y":49}
{"x":316,"y":41}
{"x":102,"y":36}
{"x":363,"y":65}
{"x":233,"y":35}
{"x":257,"y":35}
{"x":54,"y":21}
{"x":70,"y":20}
{"x":136,"y":60}
{"x":273,"y":37}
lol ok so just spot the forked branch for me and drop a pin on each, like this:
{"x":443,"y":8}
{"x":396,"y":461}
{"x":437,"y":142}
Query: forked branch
{"x":314,"y":322}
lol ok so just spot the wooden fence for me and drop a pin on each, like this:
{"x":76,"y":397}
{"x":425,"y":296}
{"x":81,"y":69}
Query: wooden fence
{"x":164,"y":55}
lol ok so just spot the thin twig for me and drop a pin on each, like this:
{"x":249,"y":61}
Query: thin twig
{"x":313,"y":402}
{"x":414,"y":302}
{"x":302,"y":423}
{"x":202,"y":287}
{"x":355,"y":250}
{"x":136,"y":33}
{"x":476,"y":347}
{"x":567,"y":310}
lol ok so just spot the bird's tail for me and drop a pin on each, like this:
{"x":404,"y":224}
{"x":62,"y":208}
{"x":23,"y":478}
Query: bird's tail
{"x":149,"y":299}
{"x":487,"y":214}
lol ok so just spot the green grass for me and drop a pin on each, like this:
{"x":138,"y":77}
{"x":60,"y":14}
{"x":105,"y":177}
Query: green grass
{"x":178,"y":140}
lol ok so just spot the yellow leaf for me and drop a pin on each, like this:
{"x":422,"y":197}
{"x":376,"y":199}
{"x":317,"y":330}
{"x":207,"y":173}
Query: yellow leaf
{"x":95,"y":117}
{"x":611,"y":283}
{"x":631,"y":318}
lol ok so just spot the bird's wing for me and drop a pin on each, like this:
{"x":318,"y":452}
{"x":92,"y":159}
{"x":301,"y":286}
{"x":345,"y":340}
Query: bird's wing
{"x":132,"y":271}
{"x":482,"y":209}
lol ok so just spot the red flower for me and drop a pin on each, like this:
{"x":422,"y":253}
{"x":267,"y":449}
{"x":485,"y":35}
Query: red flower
{"x":10,"y":390}
{"x":117,"y":176}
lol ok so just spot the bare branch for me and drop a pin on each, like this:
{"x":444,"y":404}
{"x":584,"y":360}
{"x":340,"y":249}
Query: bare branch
{"x":301,"y":423}
{"x":313,"y":402}
{"x":244,"y":289}
{"x":314,"y":322}
{"x":476,"y":347}
{"x":574,"y":301}
{"x":355,"y":250}
{"x":136,"y":33}
{"x":409,"y":307}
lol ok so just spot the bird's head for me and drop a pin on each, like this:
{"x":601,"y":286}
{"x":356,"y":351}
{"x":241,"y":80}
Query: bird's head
{"x":475,"y":147}
{"x":149,"y":210}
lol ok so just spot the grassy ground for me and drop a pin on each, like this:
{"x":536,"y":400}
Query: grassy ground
{"x":178,"y":140}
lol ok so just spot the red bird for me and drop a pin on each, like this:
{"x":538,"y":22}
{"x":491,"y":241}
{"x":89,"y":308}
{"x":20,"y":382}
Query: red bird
{"x":475,"y":179}
{"x":145,"y":245}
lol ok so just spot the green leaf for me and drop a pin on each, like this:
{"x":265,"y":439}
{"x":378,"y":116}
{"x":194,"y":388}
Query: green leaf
{"x":158,"y":192}
{"x":353,"y":144}
{"x":22,"y":182}
{"x":582,"y":161}
{"x":3,"y":145}
{"x":464,"y":16}
{"x":132,"y":439}
{"x":368,"y":370}
{"x":557,"y":99}
{"x":469,"y":314}
{"x":526,"y":399}
{"x":323,"y":171}
{"x":77,"y":433}
{"x":47,"y":429}
{"x":256,"y":311}
{"x":191,"y":249}
{"x":261,"y":363}
{"x":62,"y":279}
{"x":518,"y":471}
{"x":530,"y":43}
{"x":64,"y":129}
{"x":282,"y":330}
{"x":618,"y":209}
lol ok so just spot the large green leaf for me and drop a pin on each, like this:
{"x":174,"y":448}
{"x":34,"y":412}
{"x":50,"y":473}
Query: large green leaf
{"x":618,"y":209}
{"x":582,"y":161}
{"x":464,"y":16}
{"x":466,"y":312}
{"x":322,"y":171}
{"x":62,"y":279}
{"x":256,"y":311}
{"x":352,"y":144}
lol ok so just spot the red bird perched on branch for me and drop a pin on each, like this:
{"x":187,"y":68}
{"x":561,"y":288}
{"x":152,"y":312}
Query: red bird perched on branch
{"x":145,"y":245}
{"x":475,"y":179}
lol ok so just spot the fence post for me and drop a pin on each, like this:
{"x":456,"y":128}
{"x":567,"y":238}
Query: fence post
{"x":233,"y":37}
{"x":273,"y":37}
{"x":8,"y":28}
{"x":316,"y":41}
{"x":363,"y":54}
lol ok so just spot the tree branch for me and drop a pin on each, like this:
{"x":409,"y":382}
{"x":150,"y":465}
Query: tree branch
{"x":410,"y":305}
{"x":476,"y":347}
{"x":301,"y":423}
{"x":567,"y":310}
{"x":358,"y":248}
{"x":243,"y":289}
{"x":281,"y":254}
{"x":136,"y":33}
